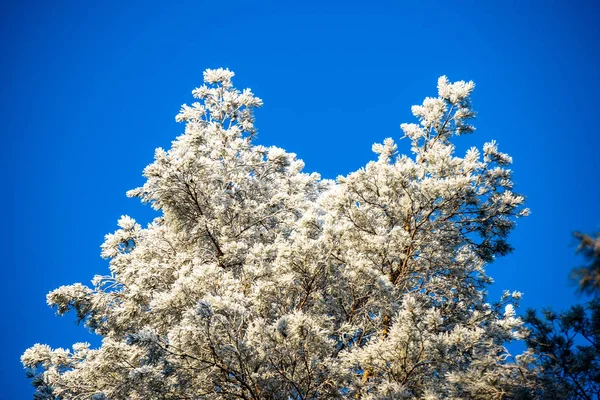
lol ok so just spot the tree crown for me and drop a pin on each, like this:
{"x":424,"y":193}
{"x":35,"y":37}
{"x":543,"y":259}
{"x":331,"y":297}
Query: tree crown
{"x":258,"y":280}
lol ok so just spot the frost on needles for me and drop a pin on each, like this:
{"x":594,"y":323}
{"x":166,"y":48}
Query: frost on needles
{"x":260,"y":281}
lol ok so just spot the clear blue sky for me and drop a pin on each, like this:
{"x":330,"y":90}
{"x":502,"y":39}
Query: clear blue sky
{"x":89,"y":89}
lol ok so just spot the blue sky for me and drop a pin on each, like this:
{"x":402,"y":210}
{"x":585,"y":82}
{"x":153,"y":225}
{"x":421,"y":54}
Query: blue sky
{"x":89,"y":90}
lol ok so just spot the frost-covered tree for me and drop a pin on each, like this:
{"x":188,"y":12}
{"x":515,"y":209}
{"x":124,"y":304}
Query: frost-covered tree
{"x":260,"y":281}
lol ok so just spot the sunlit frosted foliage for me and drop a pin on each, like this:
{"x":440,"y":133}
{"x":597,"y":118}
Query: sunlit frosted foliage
{"x":260,"y":281}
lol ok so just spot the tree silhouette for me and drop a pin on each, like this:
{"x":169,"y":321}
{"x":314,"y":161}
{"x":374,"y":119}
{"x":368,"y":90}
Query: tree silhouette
{"x":588,"y":277}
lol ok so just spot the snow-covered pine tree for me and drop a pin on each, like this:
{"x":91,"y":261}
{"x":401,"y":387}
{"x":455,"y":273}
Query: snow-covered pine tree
{"x":259,"y":281}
